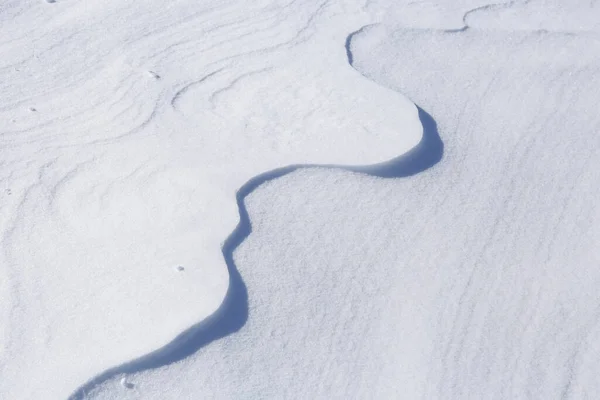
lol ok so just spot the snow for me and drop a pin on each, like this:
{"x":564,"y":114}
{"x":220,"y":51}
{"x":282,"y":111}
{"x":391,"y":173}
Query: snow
{"x":230,"y":200}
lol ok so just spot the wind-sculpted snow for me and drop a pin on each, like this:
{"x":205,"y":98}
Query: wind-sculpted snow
{"x":516,"y":111}
{"x":474,"y":279}
{"x":544,"y":15}
{"x":127,"y":129}
{"x":135,"y":135}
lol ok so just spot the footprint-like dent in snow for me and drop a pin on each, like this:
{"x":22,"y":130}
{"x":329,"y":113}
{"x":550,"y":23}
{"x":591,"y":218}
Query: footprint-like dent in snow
{"x":126,"y":384}
{"x":153,"y":75}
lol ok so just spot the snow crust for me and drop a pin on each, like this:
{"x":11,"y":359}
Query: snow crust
{"x":127,"y":128}
{"x":167,"y":233}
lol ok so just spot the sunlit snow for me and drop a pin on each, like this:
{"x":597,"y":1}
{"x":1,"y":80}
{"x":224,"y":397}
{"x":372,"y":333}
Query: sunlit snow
{"x":305,"y":199}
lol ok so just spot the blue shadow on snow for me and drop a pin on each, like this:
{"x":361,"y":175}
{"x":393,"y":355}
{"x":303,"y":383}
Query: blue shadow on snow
{"x":231,"y":316}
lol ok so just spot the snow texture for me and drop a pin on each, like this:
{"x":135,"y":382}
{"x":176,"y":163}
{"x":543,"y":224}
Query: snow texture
{"x":234,"y":200}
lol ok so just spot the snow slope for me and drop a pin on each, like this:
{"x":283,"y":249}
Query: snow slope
{"x":126,"y":130}
{"x":475,"y":278}
{"x":129,"y":128}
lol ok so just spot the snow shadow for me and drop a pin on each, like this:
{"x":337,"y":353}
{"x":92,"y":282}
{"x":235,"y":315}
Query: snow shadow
{"x":233,"y":312}
{"x":428,"y":152}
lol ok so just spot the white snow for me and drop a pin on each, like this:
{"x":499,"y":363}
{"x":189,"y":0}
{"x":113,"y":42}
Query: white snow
{"x":136,"y":136}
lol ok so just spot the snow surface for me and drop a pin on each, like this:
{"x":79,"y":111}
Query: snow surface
{"x":176,"y":223}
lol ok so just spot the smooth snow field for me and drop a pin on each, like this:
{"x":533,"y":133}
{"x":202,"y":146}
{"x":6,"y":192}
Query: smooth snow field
{"x":299,"y":199}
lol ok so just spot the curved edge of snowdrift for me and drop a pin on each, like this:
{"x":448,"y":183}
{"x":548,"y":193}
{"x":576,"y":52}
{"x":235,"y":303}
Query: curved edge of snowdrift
{"x":232,"y":314}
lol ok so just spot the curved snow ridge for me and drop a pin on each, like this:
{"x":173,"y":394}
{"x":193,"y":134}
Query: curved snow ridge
{"x":536,"y":15}
{"x":477,"y":279}
{"x":516,"y":181}
{"x":115,"y":258}
{"x":232,"y":314}
{"x":488,"y":8}
{"x":579,"y":16}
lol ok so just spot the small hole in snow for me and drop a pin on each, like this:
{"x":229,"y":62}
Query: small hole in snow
{"x":126,"y":385}
{"x":180,"y":268}
{"x":32,"y":109}
{"x":153,"y":75}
